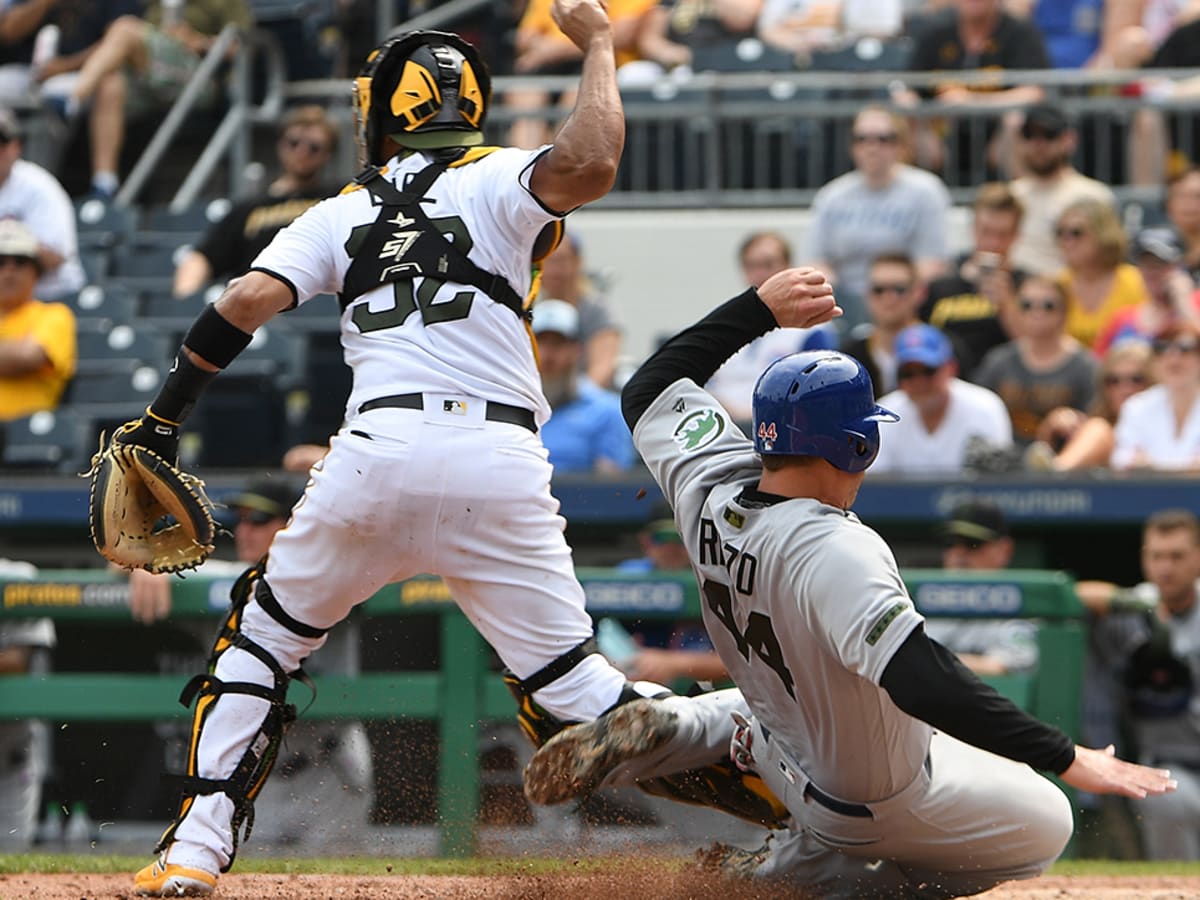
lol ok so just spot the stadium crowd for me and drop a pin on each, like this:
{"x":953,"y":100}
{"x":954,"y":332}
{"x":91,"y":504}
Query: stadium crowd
{"x":1058,"y":335}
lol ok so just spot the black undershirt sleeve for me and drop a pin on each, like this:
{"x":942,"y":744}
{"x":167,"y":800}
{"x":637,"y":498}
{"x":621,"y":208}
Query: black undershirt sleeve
{"x":697,"y":352}
{"x":929,"y":683}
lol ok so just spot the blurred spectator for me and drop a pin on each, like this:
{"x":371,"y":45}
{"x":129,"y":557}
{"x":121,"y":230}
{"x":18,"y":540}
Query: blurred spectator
{"x":893,"y":296}
{"x":25,"y":646}
{"x":1159,"y":428}
{"x":882,"y":206}
{"x":80,"y":26}
{"x":60,"y":33}
{"x":37,"y":339}
{"x":971,"y":36}
{"x":1041,"y":368}
{"x":140,"y":66}
{"x":761,"y":255}
{"x":321,"y":789}
{"x":975,"y":537}
{"x":974,"y":302}
{"x":1070,"y":29}
{"x":1172,"y":295}
{"x":565,"y":277}
{"x":586,"y":431}
{"x":667,"y":653}
{"x":307,"y":142}
{"x":32,"y":195}
{"x":1183,"y":212}
{"x":1151,"y":633}
{"x":1048,"y":185}
{"x":810,"y":29}
{"x":1098,"y":282}
{"x":940,"y":414}
{"x":542,"y":49}
{"x":689,"y":33}
{"x":1159,"y":142}
{"x":1069,"y":440}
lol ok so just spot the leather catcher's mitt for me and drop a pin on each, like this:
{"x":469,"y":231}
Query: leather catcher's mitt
{"x":133,"y":491}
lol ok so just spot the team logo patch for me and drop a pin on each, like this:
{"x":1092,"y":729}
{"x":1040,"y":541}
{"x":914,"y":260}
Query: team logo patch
{"x":454,"y":407}
{"x":698,"y":429}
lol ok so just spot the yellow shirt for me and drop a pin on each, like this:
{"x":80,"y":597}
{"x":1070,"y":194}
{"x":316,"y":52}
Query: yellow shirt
{"x":537,"y":20}
{"x":52,"y":325}
{"x":1128,"y":289}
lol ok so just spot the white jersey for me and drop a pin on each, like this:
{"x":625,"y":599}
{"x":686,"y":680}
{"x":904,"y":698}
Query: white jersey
{"x":34,"y":197}
{"x":428,"y":335}
{"x":809,"y":669}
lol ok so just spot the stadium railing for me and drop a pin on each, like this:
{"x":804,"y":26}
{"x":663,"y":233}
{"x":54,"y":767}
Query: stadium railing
{"x":464,"y":692}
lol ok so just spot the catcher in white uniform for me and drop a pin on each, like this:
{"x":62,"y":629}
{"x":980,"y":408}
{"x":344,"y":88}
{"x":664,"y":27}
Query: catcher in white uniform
{"x":903,"y":773}
{"x":438,"y":467}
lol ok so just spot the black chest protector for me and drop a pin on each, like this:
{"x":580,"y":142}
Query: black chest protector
{"x":403,"y":244}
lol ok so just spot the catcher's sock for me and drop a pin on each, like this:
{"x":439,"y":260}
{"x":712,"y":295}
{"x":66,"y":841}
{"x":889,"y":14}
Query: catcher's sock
{"x":193,"y":856}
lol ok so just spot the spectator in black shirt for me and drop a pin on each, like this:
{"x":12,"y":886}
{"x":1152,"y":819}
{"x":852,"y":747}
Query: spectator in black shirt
{"x":971,"y":36}
{"x":307,"y":141}
{"x":973,"y":302}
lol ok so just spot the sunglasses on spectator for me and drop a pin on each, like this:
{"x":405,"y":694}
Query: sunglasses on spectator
{"x":1061,"y":233}
{"x":1184,"y":345}
{"x":1040,"y":134}
{"x":1135,"y":380}
{"x":958,"y":540}
{"x":1028,"y":304}
{"x":15,"y":260}
{"x":255,"y":517}
{"x":294,"y":143}
{"x":916,"y":372}
{"x":896,"y":288}
{"x":881,"y":137}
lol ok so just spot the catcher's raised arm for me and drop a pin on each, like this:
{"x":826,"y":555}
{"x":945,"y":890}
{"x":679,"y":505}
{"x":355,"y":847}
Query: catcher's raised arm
{"x":136,"y":480}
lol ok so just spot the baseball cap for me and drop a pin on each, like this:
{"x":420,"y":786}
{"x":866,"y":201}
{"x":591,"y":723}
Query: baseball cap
{"x":1044,"y":119}
{"x":17,"y":240}
{"x":976,"y":520}
{"x":663,"y":531}
{"x":1159,"y":242}
{"x":271,"y":499}
{"x":556,"y":315}
{"x":10,"y":126}
{"x":923,"y":344}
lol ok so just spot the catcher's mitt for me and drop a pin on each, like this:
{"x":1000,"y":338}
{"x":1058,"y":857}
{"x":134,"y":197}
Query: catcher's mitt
{"x":133,"y":490}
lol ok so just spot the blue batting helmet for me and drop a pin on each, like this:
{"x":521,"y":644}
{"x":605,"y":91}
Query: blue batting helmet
{"x":819,"y":403}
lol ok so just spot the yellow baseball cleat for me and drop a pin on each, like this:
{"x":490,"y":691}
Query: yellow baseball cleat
{"x":165,"y":879}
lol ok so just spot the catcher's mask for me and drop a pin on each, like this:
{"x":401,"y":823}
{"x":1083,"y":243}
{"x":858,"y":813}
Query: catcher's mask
{"x":425,"y":90}
{"x":819,"y":403}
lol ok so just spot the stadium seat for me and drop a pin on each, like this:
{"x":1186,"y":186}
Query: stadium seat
{"x":51,"y":441}
{"x":171,"y":314}
{"x":194,"y":219}
{"x":101,"y":401}
{"x":105,"y":301}
{"x":274,"y":352}
{"x":102,"y":224}
{"x":100,"y":341}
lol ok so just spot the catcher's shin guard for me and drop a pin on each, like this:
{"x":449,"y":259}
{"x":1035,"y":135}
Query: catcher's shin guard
{"x":243,"y":785}
{"x":722,"y":785}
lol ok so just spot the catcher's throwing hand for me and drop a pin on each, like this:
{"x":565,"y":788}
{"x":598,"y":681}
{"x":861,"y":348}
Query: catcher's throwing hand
{"x":136,"y":490}
{"x":1101,"y":772}
{"x":582,"y":20}
{"x":799,"y":298}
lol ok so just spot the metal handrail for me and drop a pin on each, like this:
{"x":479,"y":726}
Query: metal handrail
{"x":230,"y":136}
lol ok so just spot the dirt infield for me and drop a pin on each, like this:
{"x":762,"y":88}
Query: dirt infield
{"x":688,"y":885}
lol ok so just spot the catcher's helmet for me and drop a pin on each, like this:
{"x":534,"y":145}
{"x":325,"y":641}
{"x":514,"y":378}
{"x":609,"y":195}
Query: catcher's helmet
{"x":819,"y":403}
{"x":424,"y":89}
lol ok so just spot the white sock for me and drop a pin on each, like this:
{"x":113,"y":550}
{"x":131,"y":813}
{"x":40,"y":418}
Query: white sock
{"x":106,"y":182}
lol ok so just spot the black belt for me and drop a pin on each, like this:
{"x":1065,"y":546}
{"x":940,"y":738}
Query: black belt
{"x":858,"y":810}
{"x":495,"y":412}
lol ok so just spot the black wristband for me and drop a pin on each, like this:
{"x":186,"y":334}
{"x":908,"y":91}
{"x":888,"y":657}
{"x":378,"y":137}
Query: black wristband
{"x":185,"y":383}
{"x":215,"y":338}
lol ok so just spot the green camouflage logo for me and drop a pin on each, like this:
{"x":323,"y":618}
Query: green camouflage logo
{"x":698,"y":430}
